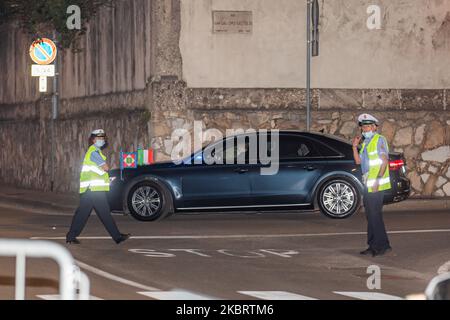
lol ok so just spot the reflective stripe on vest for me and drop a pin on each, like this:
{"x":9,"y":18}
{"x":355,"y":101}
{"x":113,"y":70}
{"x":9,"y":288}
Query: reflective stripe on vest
{"x":93,"y":183}
{"x":375,"y":163}
{"x":371,"y":182}
{"x":97,"y":170}
{"x":92,"y":176}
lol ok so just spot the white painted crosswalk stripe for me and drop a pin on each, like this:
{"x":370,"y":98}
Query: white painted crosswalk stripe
{"x":57,"y":297}
{"x":176,"y":295}
{"x":276,"y":295}
{"x":368,"y":295}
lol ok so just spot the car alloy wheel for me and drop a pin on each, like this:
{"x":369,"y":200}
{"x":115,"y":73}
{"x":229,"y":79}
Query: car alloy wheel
{"x":146,"y":201}
{"x":338,"y":199}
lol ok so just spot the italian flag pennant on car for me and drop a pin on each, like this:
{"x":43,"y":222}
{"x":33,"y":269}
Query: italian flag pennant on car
{"x":145,"y":156}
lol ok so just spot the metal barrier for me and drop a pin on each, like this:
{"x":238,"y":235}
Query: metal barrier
{"x":432,"y":290}
{"x":71,"y":278}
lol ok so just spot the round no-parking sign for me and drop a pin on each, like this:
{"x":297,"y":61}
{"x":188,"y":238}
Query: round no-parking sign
{"x":43,"y":51}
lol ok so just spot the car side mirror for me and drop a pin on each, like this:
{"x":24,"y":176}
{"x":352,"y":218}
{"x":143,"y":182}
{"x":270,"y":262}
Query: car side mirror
{"x":198,"y":157}
{"x":439,"y":288}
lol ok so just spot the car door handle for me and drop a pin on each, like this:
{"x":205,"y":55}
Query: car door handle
{"x":309,"y":168}
{"x":241,"y":170}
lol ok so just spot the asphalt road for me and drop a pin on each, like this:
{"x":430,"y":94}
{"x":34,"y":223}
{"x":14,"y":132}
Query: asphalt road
{"x":236,"y":256}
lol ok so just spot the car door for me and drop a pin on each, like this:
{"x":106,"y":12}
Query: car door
{"x":299,"y":167}
{"x":216,"y":185}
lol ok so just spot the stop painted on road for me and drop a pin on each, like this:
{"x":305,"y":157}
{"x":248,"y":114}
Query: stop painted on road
{"x":172,"y":253}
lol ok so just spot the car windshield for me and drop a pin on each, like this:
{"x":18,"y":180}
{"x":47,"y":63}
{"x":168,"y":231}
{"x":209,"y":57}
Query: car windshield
{"x":234,"y":151}
{"x":198,"y":154}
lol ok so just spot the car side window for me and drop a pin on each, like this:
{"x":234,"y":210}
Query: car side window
{"x":233,"y":152}
{"x":294,"y":147}
{"x":326,"y":151}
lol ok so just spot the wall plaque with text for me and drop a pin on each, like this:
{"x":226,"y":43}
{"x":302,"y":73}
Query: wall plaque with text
{"x":232,"y":22}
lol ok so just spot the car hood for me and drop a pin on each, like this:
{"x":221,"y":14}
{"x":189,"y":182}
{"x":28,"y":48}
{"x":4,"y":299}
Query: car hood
{"x":157,"y":165}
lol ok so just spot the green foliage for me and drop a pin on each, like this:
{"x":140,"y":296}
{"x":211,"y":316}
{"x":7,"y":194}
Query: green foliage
{"x":41,"y":17}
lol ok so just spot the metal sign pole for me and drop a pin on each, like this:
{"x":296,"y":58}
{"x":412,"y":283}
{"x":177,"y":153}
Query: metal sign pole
{"x":55,"y":100}
{"x":52,"y":151}
{"x":43,"y":52}
{"x":308,"y":64}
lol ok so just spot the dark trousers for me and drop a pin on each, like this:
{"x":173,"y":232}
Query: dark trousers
{"x":376,"y":231}
{"x":93,"y":200}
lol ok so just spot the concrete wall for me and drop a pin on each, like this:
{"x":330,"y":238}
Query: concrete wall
{"x":16,"y":84}
{"x":103,"y":86}
{"x":115,"y":56}
{"x":410,"y":50}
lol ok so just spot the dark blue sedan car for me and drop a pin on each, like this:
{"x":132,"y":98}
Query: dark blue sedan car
{"x":312,"y":171}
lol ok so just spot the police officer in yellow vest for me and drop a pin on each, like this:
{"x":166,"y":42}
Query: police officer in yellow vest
{"x":94,"y":184}
{"x":374,"y":160}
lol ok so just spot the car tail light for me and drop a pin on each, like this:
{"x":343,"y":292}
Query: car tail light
{"x":396,"y":164}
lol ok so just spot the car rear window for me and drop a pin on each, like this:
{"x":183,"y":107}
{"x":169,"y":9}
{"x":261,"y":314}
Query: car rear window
{"x":295,"y":147}
{"x":326,"y":151}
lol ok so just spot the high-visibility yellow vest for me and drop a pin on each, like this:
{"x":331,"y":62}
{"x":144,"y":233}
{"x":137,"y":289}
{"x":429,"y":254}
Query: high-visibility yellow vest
{"x":92,"y":176}
{"x":375,"y":162}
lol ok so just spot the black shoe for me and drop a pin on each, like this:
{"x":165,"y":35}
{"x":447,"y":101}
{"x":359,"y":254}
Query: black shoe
{"x":367,"y":251}
{"x":74,"y":241}
{"x":123,"y":237}
{"x":381,"y":252}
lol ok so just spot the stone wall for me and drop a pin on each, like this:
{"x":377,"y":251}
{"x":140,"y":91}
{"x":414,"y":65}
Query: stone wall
{"x":422,"y":134}
{"x":415,"y":122}
{"x":25,"y":137}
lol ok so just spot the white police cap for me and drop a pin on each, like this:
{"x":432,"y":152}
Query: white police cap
{"x":366,"y":118}
{"x":98,"y":133}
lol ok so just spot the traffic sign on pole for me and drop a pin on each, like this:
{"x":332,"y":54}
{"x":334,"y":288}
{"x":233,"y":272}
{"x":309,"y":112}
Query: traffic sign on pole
{"x":38,"y":70}
{"x":42,"y":84}
{"x":43,"y":51}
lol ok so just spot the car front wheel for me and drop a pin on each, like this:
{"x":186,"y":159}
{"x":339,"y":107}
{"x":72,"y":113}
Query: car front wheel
{"x":339,"y":199}
{"x":148,"y":201}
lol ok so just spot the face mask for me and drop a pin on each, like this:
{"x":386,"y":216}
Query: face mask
{"x":99,"y":143}
{"x":368,"y":134}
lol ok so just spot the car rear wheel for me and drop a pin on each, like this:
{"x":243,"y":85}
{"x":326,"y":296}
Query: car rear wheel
{"x":148,"y":201}
{"x":339,"y":199}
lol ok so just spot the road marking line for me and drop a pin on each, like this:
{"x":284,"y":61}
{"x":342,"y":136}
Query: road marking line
{"x":233,"y":236}
{"x":57,"y":297}
{"x":369,"y":295}
{"x":276,"y":295}
{"x":112,"y":277}
{"x":176,"y":295}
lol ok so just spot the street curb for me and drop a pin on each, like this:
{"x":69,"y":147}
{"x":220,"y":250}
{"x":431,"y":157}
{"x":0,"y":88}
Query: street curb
{"x":418,"y":204}
{"x":38,"y":206}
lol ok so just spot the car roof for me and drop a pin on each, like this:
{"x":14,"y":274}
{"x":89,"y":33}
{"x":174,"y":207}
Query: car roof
{"x":304,"y":133}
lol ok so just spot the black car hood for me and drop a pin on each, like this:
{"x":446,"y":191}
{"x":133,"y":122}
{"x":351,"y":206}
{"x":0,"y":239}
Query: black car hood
{"x":145,"y":168}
